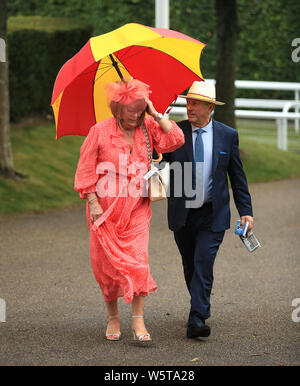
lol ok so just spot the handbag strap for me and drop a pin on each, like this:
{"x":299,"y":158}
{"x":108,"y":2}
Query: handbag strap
{"x":147,"y":143}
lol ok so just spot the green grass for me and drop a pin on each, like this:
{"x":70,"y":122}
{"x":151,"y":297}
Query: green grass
{"x":261,"y":158}
{"x":266,"y":132}
{"x":263,"y":162}
{"x":49,"y":164}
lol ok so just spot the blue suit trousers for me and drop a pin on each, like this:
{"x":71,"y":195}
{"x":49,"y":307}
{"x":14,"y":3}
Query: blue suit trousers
{"x":198,"y":247}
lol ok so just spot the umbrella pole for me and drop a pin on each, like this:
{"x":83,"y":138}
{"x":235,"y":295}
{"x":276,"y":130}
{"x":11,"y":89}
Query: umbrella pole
{"x":115,"y":64}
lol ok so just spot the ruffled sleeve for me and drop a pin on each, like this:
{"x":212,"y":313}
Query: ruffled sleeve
{"x":165,"y":142}
{"x":86,"y":176}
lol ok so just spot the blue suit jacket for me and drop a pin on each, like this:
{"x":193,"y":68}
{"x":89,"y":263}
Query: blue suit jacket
{"x":226,"y":160}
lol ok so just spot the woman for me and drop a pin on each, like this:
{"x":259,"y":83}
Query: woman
{"x":113,"y":160}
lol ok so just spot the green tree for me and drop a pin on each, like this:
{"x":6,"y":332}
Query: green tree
{"x":108,"y":15}
{"x":227,"y":28}
{"x":266,"y":30}
{"x":6,"y":156}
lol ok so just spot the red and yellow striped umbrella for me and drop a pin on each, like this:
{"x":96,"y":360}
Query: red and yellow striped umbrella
{"x":166,"y":60}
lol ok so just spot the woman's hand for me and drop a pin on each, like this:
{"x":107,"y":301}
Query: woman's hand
{"x":164,"y":123}
{"x":150,"y":108}
{"x":95,"y":210}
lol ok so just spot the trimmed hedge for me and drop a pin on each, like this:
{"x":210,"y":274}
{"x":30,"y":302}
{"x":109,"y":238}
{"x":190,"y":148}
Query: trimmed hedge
{"x":35,"y":57}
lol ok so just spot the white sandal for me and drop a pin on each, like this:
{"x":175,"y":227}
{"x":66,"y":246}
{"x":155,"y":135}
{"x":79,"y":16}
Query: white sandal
{"x":115,"y":336}
{"x":141,"y":338}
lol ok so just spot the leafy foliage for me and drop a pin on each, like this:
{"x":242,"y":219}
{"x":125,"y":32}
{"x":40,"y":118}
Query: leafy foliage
{"x":266,"y":30}
{"x":108,"y":15}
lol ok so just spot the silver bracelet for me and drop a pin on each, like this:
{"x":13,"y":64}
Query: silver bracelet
{"x":92,"y":199}
{"x":158,"y":117}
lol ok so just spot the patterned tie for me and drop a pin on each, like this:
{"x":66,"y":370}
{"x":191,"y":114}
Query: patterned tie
{"x":198,"y":171}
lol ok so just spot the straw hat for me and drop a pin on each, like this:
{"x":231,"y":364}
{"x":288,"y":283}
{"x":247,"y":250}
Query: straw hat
{"x":202,"y":91}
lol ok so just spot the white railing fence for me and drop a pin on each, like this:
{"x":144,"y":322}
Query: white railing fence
{"x":245,"y":106}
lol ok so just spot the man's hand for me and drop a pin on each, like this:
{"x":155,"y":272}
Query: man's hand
{"x":250,"y":221}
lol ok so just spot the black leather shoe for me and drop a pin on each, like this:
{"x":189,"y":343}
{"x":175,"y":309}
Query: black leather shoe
{"x":198,"y":330}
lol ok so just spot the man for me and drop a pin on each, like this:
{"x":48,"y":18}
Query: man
{"x":199,"y":222}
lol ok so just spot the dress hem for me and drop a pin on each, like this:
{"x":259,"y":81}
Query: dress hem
{"x":128,"y":299}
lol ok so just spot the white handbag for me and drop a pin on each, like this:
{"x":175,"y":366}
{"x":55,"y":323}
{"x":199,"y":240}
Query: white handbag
{"x":156,"y":189}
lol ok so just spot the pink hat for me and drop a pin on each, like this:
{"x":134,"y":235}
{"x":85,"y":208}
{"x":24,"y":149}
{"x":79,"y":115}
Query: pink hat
{"x":126,"y":92}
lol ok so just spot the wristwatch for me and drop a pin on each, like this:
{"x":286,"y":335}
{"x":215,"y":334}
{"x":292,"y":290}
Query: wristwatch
{"x":158,"y":117}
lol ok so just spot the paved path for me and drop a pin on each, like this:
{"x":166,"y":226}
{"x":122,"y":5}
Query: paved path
{"x":55,"y":314}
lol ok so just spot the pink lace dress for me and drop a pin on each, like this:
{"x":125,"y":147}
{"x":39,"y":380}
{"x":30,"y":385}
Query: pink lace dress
{"x":119,"y":238}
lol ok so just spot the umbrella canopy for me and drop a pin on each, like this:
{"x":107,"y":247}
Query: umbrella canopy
{"x":166,"y":60}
